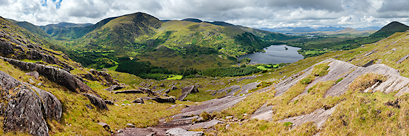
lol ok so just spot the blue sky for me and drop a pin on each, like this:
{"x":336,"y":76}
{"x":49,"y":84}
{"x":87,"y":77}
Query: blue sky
{"x":260,"y":13}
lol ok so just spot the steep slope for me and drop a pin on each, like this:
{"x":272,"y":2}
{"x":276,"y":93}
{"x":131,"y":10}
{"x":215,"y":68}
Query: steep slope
{"x":68,"y":31}
{"x":391,"y":28}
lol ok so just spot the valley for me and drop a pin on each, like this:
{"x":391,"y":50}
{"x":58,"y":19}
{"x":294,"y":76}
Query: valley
{"x":136,"y":74}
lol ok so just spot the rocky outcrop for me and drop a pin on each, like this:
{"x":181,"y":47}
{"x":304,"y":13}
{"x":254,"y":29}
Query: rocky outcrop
{"x":7,"y":82}
{"x":97,"y":102}
{"x":182,"y":132}
{"x":138,"y":100}
{"x":148,"y":91}
{"x":24,"y":113}
{"x":319,"y":117}
{"x":114,"y":87}
{"x":161,"y":100}
{"x":128,"y":91}
{"x":56,"y":75}
{"x":402,"y":59}
{"x":101,"y":76}
{"x":52,"y":106}
{"x":27,"y":109}
{"x":186,"y":91}
{"x":263,"y":113}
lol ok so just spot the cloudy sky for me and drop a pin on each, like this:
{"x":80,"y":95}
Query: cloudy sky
{"x":252,"y":13}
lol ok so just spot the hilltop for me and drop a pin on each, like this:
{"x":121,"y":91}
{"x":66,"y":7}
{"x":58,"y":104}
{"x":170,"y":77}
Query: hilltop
{"x":391,"y":28}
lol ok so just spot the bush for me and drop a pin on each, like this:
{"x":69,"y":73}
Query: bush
{"x":230,"y":71}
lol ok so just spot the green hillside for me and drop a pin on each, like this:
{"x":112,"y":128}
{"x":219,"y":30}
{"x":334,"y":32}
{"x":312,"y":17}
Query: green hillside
{"x":317,"y":46}
{"x":172,"y":45}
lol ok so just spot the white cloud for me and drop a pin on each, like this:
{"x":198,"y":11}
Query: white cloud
{"x":260,"y":13}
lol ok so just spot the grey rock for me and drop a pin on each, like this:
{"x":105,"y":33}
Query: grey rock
{"x":24,"y":113}
{"x":34,"y":74}
{"x":109,"y":102}
{"x":161,"y":100}
{"x":128,"y":91}
{"x":186,"y":91}
{"x":182,"y":132}
{"x":130,"y":125}
{"x":402,"y":59}
{"x":138,"y":100}
{"x":52,"y":106}
{"x":98,"y":102}
{"x":105,"y":126}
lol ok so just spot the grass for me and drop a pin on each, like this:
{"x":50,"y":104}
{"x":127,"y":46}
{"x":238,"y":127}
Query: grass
{"x":248,"y":105}
{"x":262,"y":68}
{"x":175,"y":77}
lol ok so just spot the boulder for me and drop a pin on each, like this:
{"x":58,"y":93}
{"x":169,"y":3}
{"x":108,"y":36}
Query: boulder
{"x":7,"y":82}
{"x":161,"y":100}
{"x":98,"y":102}
{"x":105,"y":126}
{"x":129,"y":91}
{"x":130,"y":125}
{"x":109,"y":102}
{"x":162,"y":85}
{"x":138,"y":100}
{"x":52,"y":106}
{"x":182,"y":132}
{"x":24,"y":113}
{"x":6,"y":48}
{"x":148,"y":91}
{"x":114,"y":87}
{"x":34,"y":74}
{"x":186,"y":91}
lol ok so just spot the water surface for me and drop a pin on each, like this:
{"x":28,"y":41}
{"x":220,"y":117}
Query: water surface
{"x":275,"y":54}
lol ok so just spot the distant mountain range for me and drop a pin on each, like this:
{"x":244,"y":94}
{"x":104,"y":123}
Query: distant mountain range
{"x":312,"y":29}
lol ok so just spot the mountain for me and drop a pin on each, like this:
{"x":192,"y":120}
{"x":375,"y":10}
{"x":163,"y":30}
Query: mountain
{"x":302,"y":29}
{"x":68,"y":31}
{"x":195,"y":20}
{"x":391,"y":28}
{"x":192,"y":43}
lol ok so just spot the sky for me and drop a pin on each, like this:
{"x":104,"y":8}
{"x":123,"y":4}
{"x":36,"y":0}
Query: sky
{"x":251,"y":13}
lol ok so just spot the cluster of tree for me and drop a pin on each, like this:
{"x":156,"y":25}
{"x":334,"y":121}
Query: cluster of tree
{"x":142,"y":69}
{"x":230,"y":71}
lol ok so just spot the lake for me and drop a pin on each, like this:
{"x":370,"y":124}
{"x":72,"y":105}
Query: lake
{"x":275,"y":54}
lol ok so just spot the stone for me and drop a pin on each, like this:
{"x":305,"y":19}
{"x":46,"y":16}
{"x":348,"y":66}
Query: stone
{"x":402,"y":59}
{"x":173,"y":88}
{"x":138,"y":100}
{"x":105,"y":126}
{"x":161,"y":100}
{"x":186,"y":91}
{"x":130,"y":125}
{"x":148,"y":91}
{"x":128,"y":91}
{"x":167,"y":91}
{"x":31,"y":81}
{"x":114,"y":87}
{"x":109,"y":102}
{"x":162,"y":85}
{"x":52,"y":106}
{"x":182,"y":132}
{"x":34,"y":74}
{"x":98,"y":102}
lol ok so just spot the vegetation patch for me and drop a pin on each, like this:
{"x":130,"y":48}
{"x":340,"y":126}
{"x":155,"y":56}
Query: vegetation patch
{"x":175,"y":77}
